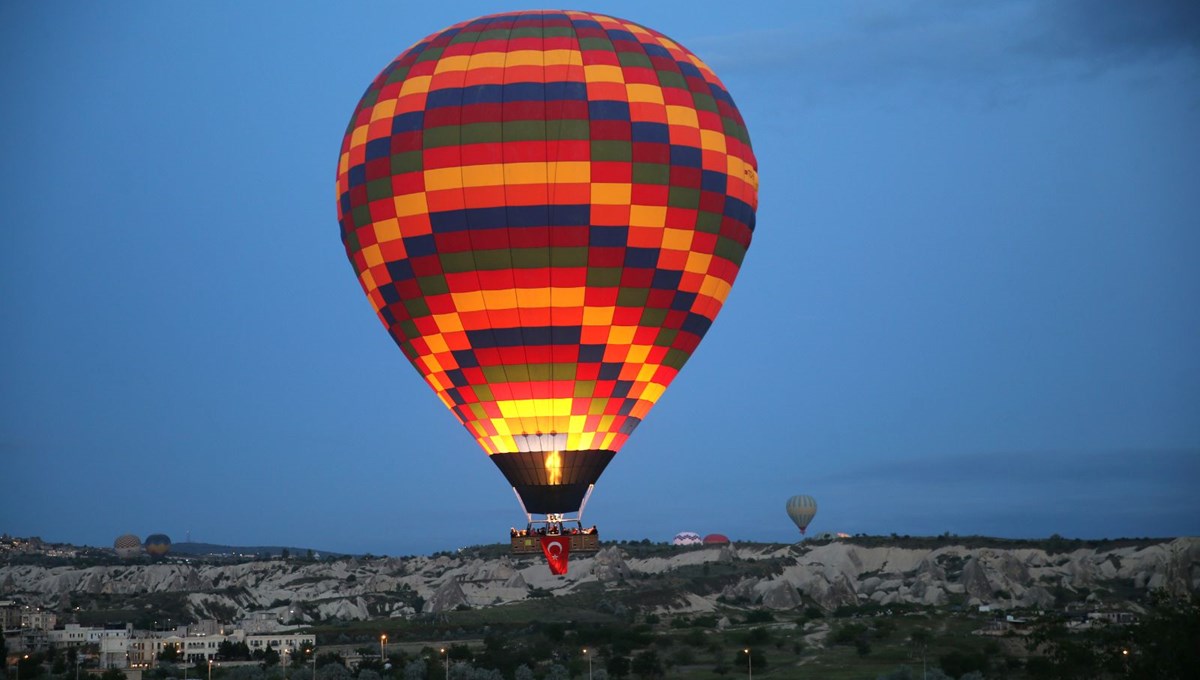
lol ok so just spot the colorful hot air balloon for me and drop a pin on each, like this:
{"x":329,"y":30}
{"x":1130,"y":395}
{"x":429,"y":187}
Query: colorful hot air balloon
{"x":547,"y":211}
{"x":802,"y":509}
{"x":127,"y":546}
{"x":158,"y":545}
{"x":687,"y":538}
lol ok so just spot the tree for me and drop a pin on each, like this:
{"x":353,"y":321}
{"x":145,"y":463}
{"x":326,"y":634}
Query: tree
{"x":330,"y":658}
{"x":756,"y":637}
{"x":233,"y":651}
{"x":618,"y":666}
{"x":415,"y":670}
{"x":333,"y":671}
{"x":683,"y":656}
{"x":1165,"y":643}
{"x":647,"y":665}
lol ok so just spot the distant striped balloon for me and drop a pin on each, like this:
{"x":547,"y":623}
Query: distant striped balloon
{"x":547,"y":211}
{"x":802,"y":509}
{"x":687,"y":538}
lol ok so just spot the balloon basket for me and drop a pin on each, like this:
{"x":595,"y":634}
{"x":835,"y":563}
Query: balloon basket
{"x":579,"y":538}
{"x":557,"y":528}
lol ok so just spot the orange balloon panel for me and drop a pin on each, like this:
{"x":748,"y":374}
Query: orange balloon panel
{"x":547,"y":210}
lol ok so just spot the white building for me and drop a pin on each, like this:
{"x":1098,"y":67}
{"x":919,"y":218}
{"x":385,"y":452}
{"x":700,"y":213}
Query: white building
{"x":282,"y":642}
{"x":71,"y":635}
{"x":36,"y":618}
{"x":114,"y":652}
{"x":124,"y":647}
{"x":201,"y":648}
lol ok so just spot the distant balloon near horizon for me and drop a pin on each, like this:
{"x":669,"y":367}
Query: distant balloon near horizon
{"x":687,"y":538}
{"x":716,"y":539}
{"x":802,"y":509}
{"x":158,"y":545}
{"x":547,"y":211}
{"x":127,"y":546}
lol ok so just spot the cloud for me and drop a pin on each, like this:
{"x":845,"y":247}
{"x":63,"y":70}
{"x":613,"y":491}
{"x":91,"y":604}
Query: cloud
{"x":1168,"y":467}
{"x":998,"y":45}
{"x":1130,"y":492}
{"x":1113,"y":32}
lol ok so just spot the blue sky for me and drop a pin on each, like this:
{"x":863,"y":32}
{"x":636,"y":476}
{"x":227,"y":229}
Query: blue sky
{"x":972,"y":303}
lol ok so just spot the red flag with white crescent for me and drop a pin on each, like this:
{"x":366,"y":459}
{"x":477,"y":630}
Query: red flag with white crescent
{"x":556,"y":549}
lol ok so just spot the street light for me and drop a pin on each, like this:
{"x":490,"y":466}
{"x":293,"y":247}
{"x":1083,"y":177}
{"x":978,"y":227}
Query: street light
{"x":383,"y":648}
{"x":589,"y":658}
{"x":445,"y":655}
{"x":210,"y":669}
{"x":749,"y":665}
{"x":19,"y":665}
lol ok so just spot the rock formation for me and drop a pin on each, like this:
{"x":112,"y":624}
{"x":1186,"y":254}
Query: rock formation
{"x":829,"y":575}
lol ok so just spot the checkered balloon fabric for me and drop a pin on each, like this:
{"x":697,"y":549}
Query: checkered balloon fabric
{"x":547,"y":211}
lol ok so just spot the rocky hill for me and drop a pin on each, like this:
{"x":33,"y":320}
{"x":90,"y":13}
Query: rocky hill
{"x":662,"y":578}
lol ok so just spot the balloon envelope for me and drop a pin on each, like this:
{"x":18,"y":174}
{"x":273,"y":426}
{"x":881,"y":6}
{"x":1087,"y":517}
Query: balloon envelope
{"x":127,"y":546}
{"x":802,"y":509}
{"x":547,"y":211}
{"x":158,"y":544}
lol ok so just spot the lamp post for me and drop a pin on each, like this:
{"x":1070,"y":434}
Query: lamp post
{"x":445,"y":657}
{"x":210,"y":669}
{"x":382,"y":648}
{"x":19,"y":665}
{"x":589,"y":658}
{"x":749,"y":665}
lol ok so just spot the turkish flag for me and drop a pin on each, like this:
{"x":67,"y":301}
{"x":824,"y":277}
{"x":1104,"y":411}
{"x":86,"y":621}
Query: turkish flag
{"x":556,"y":549}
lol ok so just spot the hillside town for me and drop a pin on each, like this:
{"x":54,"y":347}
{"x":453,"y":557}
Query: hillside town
{"x":139,"y":611}
{"x":29,"y":629}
